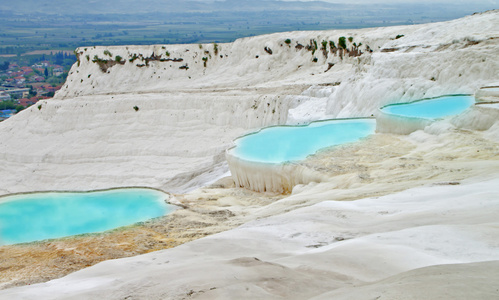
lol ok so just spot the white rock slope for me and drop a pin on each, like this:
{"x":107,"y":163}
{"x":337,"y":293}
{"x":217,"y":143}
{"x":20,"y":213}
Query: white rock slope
{"x":152,"y":122}
{"x":164,"y":126}
{"x":346,"y":250}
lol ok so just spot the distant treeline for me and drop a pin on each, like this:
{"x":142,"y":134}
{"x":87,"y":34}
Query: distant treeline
{"x":68,"y":24}
{"x":12,"y":50}
{"x":61,"y":56}
{"x":4,"y":66}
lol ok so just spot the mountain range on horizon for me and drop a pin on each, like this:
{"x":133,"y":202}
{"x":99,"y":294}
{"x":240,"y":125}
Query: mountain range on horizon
{"x":74,"y":7}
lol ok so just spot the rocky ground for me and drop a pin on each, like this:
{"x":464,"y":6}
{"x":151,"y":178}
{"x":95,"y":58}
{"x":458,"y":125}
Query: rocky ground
{"x":202,"y":214}
{"x":377,"y":166}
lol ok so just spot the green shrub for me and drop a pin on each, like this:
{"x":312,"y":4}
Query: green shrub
{"x":342,"y":42}
{"x":167,"y":53}
{"x":215,"y":48}
{"x":350,"y":39}
{"x":287,"y":41}
{"x":136,"y":108}
{"x":399,"y":36}
{"x":313,"y":46}
{"x":118,"y":58}
{"x":324,"y":44}
{"x":106,"y":52}
{"x":134,"y":57}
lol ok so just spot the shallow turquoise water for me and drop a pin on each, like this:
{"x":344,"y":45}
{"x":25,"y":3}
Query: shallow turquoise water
{"x":31,"y":217}
{"x":435,"y":108}
{"x":288,"y":143}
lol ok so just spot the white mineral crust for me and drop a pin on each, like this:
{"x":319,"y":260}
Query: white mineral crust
{"x":432,"y":241}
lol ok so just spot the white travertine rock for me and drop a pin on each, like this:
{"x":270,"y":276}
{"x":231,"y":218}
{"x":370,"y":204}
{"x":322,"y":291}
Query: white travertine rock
{"x":90,"y":136}
{"x":331,"y":249}
{"x":270,"y":177}
{"x":388,"y":241}
{"x":477,"y":117}
{"x":489,"y":94}
{"x":391,"y":123}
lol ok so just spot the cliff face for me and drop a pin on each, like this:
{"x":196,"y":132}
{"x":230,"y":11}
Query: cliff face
{"x":368,"y":68}
{"x":162,"y":115}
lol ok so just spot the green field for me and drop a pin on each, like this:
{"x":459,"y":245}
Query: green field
{"x":25,"y":31}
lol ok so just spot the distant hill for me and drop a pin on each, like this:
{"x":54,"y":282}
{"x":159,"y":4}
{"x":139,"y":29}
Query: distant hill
{"x":76,"y":7}
{"x":31,"y":25}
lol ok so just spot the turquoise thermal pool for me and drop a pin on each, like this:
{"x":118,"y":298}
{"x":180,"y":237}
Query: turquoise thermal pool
{"x":32,"y":217}
{"x":434,"y":108}
{"x":289,"y":143}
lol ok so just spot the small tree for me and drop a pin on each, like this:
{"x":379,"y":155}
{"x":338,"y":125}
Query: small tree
{"x":287,"y":41}
{"x":324,"y":48}
{"x":342,"y":43}
{"x":4,"y":66}
{"x":32,"y":91}
{"x":312,"y":46}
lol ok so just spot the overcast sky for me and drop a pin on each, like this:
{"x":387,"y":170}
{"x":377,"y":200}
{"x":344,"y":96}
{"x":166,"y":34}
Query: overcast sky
{"x":470,"y":2}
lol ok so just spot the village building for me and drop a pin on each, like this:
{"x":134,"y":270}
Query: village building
{"x":4,"y":96}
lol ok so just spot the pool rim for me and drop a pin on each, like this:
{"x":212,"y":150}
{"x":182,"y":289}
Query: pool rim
{"x":167,"y":200}
{"x":483,"y":93}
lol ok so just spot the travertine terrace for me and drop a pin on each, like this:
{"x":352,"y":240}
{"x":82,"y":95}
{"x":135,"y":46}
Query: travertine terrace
{"x":396,"y":216}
